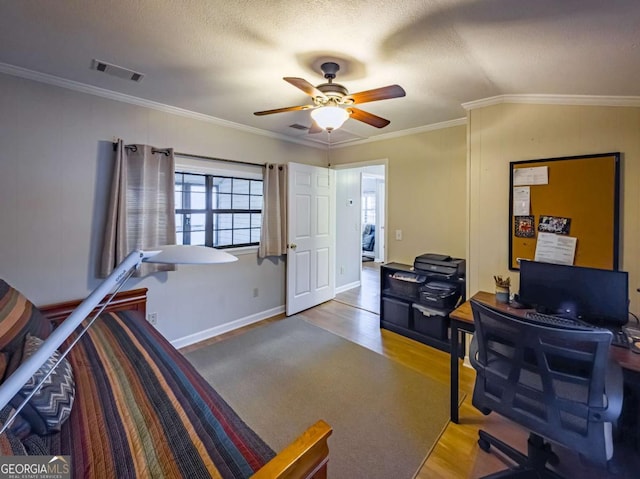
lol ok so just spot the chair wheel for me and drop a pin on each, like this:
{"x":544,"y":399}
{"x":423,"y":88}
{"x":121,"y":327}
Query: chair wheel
{"x":484,"y":444}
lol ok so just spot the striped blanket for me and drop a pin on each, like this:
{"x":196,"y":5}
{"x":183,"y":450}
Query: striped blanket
{"x":141,"y":410}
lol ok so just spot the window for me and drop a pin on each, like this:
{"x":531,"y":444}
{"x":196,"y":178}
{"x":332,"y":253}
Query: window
{"x":368,"y":208}
{"x":218,"y":211}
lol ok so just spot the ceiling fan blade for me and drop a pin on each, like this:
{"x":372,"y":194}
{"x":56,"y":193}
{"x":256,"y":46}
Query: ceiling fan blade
{"x":315,"y":128}
{"x":305,"y":86}
{"x":282,"y":110}
{"x":368,"y":118}
{"x":382,"y":93}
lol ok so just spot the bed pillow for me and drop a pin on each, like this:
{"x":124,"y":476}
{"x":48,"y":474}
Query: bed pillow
{"x":20,"y":426}
{"x":50,"y":407}
{"x":18,"y":316}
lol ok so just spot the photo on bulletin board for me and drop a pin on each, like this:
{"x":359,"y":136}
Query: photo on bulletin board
{"x":525,"y":227}
{"x":554,"y":224}
{"x":572,"y":197}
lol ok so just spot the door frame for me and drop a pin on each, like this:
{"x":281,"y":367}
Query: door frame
{"x":358,"y":165}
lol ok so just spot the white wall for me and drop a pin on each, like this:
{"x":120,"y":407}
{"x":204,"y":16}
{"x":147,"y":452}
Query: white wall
{"x":348,"y":232}
{"x":56,"y":166}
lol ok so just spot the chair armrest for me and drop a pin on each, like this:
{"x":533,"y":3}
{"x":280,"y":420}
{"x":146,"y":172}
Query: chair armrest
{"x":473,"y":354}
{"x":614,"y":391}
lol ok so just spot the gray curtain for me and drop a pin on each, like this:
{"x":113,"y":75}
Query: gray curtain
{"x":273,"y":234}
{"x":141,"y":212}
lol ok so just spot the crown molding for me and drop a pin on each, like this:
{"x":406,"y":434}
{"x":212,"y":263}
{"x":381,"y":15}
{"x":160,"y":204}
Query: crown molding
{"x":398,"y":134}
{"x":578,"y":100}
{"x":132,"y":100}
{"x":539,"y":99}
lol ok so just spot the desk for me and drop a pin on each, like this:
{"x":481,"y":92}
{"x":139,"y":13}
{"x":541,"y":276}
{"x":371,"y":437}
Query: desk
{"x":462,"y":322}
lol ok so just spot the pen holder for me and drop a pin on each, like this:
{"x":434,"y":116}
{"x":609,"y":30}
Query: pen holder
{"x":502,"y":294}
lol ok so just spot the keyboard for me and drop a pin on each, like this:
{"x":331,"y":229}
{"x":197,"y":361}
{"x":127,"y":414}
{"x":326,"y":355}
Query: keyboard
{"x":551,"y":320}
{"x":620,"y":337}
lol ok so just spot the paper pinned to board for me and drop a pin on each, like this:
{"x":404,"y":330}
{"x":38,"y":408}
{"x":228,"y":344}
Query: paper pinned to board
{"x":553,"y":248}
{"x":521,"y":201}
{"x":537,"y":175}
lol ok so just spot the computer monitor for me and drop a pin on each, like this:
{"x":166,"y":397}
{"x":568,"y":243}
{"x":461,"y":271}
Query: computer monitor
{"x":596,"y":296}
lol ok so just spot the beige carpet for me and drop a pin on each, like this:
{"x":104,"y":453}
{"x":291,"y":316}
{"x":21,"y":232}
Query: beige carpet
{"x":283,"y":376}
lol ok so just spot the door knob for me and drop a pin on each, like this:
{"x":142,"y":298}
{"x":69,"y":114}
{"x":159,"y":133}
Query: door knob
{"x":293,"y":246}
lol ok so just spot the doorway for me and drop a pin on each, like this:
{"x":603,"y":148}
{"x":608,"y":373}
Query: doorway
{"x":360,"y":232}
{"x":372,"y":213}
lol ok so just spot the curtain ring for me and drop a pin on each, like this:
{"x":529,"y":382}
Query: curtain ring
{"x":280,"y":167}
{"x":271,"y":167}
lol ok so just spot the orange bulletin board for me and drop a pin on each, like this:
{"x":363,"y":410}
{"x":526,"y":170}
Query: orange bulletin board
{"x":583,"y":189}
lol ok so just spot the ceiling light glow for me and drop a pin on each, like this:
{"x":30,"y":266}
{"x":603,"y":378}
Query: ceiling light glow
{"x":330,"y":117}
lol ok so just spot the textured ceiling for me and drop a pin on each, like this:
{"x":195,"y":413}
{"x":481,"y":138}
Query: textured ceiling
{"x":226,"y":59}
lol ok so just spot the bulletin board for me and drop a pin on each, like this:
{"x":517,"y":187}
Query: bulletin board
{"x":573,"y":201}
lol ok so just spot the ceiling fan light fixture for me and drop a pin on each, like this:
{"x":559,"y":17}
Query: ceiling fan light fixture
{"x":330,"y":117}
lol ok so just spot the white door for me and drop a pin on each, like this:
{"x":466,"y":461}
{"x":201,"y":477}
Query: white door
{"x":310,"y":237}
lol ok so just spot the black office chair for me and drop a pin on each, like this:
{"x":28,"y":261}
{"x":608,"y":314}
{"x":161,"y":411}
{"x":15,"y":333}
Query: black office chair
{"x":559,"y":383}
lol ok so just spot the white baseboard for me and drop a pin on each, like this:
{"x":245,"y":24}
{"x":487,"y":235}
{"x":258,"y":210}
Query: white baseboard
{"x":226,"y":327}
{"x":347,"y":287}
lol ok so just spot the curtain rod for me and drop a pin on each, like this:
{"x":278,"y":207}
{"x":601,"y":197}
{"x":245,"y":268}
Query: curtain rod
{"x":201,"y":157}
{"x":189,"y":155}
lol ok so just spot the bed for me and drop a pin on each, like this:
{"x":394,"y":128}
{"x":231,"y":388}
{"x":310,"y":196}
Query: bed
{"x":141,"y":410}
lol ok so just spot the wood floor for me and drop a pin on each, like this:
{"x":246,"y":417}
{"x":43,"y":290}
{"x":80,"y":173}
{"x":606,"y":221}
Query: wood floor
{"x":456,"y":454}
{"x":367,"y":296}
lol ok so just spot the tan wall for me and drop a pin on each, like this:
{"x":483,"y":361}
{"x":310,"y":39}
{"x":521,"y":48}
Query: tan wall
{"x":512,"y":132}
{"x":426,"y":190}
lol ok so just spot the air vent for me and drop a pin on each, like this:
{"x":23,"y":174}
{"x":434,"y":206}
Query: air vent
{"x":298,"y":126}
{"x":116,"y":71}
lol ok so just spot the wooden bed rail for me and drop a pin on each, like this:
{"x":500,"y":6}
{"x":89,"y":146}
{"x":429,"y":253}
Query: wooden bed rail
{"x":135,"y":299}
{"x":306,"y":457}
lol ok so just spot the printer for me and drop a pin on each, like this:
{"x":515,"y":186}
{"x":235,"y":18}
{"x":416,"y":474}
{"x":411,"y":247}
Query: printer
{"x":444,"y":283}
{"x":440,"y":265}
{"x":440,"y":294}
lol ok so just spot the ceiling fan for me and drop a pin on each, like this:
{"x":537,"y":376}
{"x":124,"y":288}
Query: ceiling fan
{"x":332,"y":103}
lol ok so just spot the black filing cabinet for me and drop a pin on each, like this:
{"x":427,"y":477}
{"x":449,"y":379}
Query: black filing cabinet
{"x":404,"y":311}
